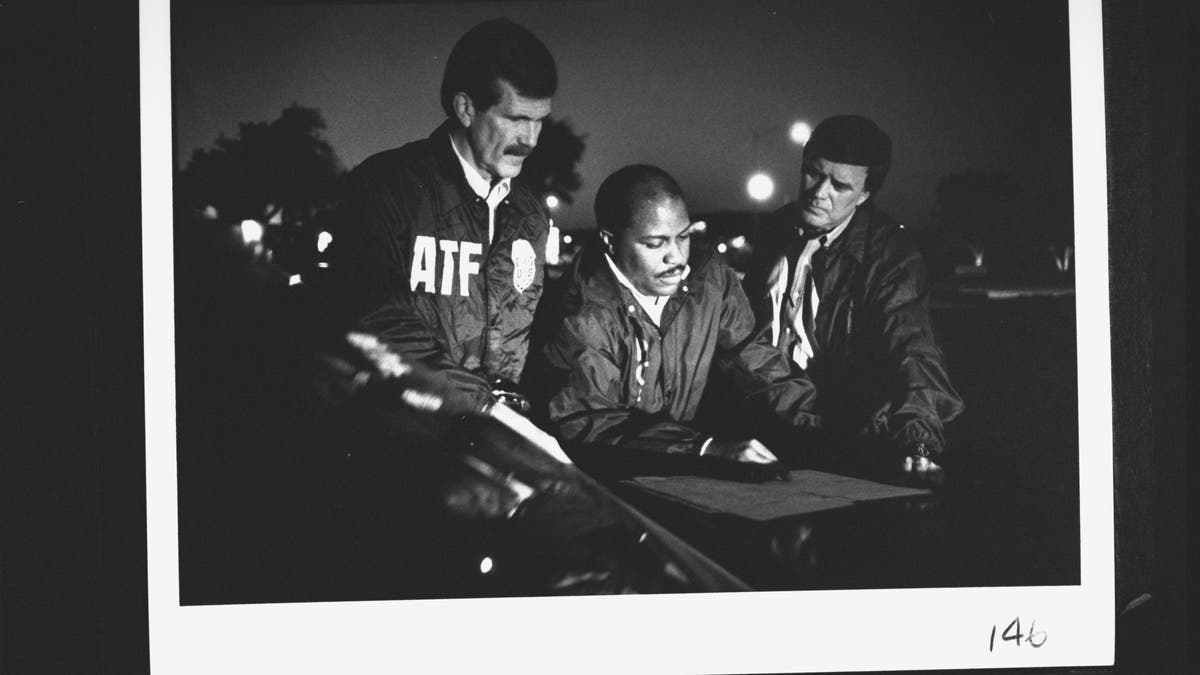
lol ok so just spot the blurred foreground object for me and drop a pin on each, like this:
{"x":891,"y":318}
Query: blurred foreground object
{"x":316,"y":465}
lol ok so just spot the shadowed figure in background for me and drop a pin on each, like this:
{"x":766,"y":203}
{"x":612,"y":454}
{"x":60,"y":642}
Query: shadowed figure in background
{"x":839,"y":288}
{"x":439,"y":251}
{"x":646,"y":323}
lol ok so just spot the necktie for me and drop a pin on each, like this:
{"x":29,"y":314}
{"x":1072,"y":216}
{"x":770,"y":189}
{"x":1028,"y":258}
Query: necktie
{"x":807,"y":313}
{"x":800,"y":300}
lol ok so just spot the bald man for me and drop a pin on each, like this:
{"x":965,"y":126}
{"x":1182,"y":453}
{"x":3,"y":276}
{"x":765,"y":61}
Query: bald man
{"x":649,"y":322}
{"x":841,"y":290}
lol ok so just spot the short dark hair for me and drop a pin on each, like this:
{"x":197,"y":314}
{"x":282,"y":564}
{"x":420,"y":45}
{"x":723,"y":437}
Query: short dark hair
{"x":629,"y":189}
{"x":853,"y":139}
{"x":497,"y":49}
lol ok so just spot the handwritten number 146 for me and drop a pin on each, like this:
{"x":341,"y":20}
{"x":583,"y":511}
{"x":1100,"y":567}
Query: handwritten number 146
{"x":1012,"y":633}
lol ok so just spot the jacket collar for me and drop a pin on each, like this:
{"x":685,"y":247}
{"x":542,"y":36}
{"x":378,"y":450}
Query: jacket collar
{"x":854,"y":239}
{"x":593,"y":275}
{"x":453,"y":187}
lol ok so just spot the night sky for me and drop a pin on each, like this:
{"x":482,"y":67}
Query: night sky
{"x":958,"y":85}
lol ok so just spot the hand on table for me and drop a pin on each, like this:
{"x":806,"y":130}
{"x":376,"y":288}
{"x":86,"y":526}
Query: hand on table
{"x":919,"y":466}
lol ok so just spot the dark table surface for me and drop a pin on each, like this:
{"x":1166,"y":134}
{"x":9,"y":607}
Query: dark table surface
{"x":1008,"y":514}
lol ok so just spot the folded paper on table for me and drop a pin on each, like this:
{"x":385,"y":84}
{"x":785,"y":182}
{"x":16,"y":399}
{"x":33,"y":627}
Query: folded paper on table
{"x":807,"y":491}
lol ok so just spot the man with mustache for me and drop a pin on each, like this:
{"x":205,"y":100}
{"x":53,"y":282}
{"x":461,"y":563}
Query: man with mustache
{"x":440,"y":252}
{"x":648,"y":322}
{"x":841,"y":290}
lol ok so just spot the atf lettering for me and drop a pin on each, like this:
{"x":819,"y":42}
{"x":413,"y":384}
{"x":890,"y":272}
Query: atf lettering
{"x":424,"y":260}
{"x":466,"y":266}
{"x":424,"y":264}
{"x":449,"y":247}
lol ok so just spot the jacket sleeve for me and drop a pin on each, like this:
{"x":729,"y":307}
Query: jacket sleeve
{"x":921,"y":397}
{"x":772,"y":389}
{"x":585,"y":363}
{"x":370,"y":257}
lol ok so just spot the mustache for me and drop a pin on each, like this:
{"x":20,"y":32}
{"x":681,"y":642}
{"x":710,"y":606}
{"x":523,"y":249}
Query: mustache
{"x":518,"y":150}
{"x":678,"y":269}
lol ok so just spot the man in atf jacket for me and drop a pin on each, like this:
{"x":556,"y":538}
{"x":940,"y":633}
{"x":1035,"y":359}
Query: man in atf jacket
{"x":440,"y":252}
{"x":644,"y":328}
{"x":839,"y":287}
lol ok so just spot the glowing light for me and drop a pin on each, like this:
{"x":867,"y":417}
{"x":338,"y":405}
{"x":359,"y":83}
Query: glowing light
{"x":294,"y":280}
{"x":485,"y":565}
{"x":252,"y":231}
{"x":552,"y":201}
{"x":699,"y":226}
{"x":721,"y":247}
{"x":323,"y":241}
{"x":552,"y":248}
{"x":567,"y":239}
{"x":323,"y":265}
{"x":210,"y":212}
{"x":760,"y":187}
{"x":738,"y":242}
{"x":800,"y":132}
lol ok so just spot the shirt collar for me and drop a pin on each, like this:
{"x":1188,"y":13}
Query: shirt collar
{"x":478,"y":183}
{"x":653,"y":304}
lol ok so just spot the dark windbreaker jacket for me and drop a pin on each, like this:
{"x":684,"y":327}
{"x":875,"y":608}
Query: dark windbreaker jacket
{"x":877,"y":368}
{"x":411,"y":259}
{"x":616,"y":379}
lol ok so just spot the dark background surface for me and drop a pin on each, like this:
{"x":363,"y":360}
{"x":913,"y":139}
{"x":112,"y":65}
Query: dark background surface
{"x":72,"y":569}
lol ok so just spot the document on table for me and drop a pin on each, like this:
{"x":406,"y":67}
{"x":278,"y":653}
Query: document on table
{"x":807,"y":491}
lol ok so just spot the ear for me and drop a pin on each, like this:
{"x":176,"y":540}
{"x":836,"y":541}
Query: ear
{"x":862,"y":198}
{"x":464,"y":109}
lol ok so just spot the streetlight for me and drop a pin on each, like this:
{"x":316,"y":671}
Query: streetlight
{"x":552,"y":202}
{"x":761,"y":186}
{"x":799,"y":132}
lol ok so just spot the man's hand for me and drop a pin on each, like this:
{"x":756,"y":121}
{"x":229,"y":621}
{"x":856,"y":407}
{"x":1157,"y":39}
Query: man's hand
{"x":741,"y":451}
{"x":918,"y":465}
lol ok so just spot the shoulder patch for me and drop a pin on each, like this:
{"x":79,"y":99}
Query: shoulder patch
{"x":524,"y":261}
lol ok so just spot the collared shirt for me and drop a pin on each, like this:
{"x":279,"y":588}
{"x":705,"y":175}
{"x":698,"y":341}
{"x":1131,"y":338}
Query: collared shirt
{"x":492,"y":194}
{"x":653,"y":304}
{"x":792,"y":309}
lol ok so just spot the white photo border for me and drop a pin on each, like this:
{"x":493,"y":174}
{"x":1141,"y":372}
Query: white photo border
{"x":776,"y":631}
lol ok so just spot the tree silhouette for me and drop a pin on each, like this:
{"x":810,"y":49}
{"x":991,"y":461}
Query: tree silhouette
{"x":552,"y":168}
{"x":284,"y":168}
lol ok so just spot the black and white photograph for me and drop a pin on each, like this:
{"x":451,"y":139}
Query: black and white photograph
{"x":785,"y":321}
